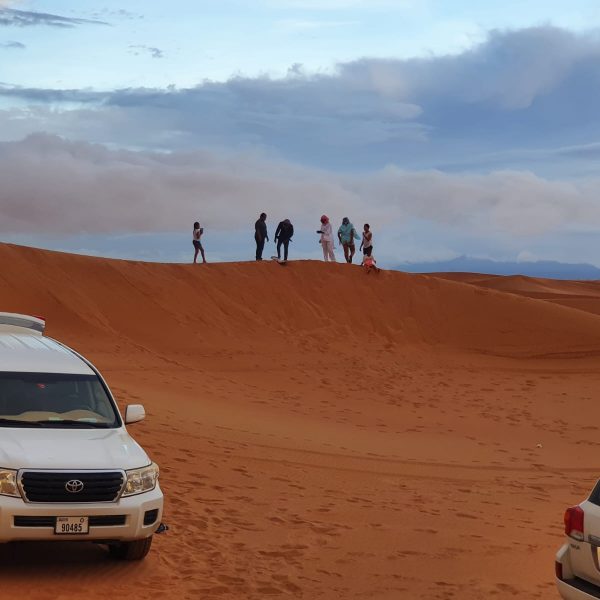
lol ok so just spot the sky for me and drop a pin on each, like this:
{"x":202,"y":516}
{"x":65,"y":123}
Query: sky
{"x":454,"y":127}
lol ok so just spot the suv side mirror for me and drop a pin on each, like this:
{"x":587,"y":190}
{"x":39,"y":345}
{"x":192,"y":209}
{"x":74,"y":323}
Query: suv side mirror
{"x":134,"y":413}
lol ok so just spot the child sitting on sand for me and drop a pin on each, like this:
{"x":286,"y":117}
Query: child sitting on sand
{"x":370,"y":264}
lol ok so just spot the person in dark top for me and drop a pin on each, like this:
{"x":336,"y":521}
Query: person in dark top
{"x":260,"y":235}
{"x":283,"y":235}
{"x":197,"y":241}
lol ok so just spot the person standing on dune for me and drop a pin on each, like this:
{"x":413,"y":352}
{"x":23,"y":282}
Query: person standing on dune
{"x":346,"y":235}
{"x":367,"y":240}
{"x":283,"y":236}
{"x":260,"y":235}
{"x":196,"y":236}
{"x":326,"y":239}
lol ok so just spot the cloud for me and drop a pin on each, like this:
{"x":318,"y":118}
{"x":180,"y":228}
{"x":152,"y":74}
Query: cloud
{"x":25,"y":18}
{"x":334,"y":5}
{"x":120,"y":13}
{"x":509,"y":71}
{"x":51,"y":185}
{"x":12,"y":45}
{"x":591,"y":150}
{"x":154,"y":52}
{"x":525,"y":256}
{"x":310,"y":25}
{"x":49,"y":97}
{"x":458,"y":111}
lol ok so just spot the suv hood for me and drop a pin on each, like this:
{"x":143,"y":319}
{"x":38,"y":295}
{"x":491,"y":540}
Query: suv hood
{"x":22,"y":448}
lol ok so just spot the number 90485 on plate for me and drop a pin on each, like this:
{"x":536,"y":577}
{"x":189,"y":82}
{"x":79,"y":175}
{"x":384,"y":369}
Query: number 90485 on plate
{"x":71,"y":525}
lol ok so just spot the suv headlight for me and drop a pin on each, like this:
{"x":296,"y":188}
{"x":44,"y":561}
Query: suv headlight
{"x":8,"y":483}
{"x":141,"y":480}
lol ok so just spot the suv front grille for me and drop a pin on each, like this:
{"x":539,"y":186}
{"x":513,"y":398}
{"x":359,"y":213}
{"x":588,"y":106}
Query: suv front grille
{"x":47,"y":486}
{"x":34,"y":521}
{"x":95,"y":521}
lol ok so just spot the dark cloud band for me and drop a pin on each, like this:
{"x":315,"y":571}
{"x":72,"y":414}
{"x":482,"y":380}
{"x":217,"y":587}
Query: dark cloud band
{"x":533,"y":89}
{"x":25,"y":18}
{"x":12,"y":45}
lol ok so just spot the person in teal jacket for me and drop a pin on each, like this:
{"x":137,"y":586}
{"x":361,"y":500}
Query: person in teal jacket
{"x":347,"y":234}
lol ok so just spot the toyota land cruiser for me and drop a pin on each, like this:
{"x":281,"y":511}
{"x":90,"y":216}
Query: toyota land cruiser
{"x":577,"y":565}
{"x":68,"y":467}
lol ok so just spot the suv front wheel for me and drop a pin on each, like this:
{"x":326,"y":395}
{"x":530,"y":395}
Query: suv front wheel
{"x":135,"y":550}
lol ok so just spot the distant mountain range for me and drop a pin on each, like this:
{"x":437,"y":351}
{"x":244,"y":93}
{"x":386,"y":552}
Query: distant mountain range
{"x":543,"y":268}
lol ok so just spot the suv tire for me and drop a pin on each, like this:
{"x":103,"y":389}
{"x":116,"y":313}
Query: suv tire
{"x":135,"y":550}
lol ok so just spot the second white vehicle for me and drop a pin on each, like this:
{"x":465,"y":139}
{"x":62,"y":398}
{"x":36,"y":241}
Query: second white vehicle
{"x":577,"y":564}
{"x":69,"y":470}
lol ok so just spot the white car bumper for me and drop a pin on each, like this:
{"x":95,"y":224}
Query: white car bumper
{"x":571,"y":587}
{"x":568,"y":591}
{"x":108,"y":521}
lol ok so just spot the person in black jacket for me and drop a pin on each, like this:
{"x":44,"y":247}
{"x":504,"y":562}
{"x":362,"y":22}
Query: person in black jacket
{"x":283,"y":235}
{"x":260,"y":234}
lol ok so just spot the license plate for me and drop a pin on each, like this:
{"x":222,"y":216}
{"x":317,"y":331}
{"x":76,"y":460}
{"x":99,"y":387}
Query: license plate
{"x":71,"y":525}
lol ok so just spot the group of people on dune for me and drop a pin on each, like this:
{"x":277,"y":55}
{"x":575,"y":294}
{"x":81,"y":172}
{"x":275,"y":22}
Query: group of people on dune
{"x":346,"y":235}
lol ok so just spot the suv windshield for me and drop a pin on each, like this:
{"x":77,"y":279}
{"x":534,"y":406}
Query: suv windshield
{"x":55,"y":400}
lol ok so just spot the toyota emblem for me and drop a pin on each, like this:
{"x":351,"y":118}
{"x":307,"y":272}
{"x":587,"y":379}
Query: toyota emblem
{"x":74,"y":486}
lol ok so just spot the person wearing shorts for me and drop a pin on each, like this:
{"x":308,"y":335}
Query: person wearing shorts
{"x":196,"y":235}
{"x":346,"y":236}
{"x":367,"y":240}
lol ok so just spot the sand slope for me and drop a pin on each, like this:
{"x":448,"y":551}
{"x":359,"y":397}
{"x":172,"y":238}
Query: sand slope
{"x":326,"y":434}
{"x":583,"y":295}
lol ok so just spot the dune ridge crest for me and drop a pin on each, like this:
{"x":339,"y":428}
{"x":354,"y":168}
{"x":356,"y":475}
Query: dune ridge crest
{"x":177,"y":306}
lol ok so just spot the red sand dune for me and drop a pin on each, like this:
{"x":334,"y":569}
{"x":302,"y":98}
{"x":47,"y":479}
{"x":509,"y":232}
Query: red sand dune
{"x":583,"y":295}
{"x":327,"y":434}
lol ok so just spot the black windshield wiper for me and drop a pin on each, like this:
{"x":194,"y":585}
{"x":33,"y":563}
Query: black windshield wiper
{"x":18,"y":423}
{"x":73,"y":422}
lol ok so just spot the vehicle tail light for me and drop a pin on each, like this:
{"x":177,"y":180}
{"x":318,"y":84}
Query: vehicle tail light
{"x":558,"y":570}
{"x":574,"y":522}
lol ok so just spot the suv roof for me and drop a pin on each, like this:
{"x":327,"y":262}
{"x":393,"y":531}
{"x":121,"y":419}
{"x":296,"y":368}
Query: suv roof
{"x":18,"y":323}
{"x":30,"y":353}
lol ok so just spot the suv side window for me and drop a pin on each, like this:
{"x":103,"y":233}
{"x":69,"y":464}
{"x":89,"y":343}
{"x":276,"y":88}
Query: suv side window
{"x":595,"y":495}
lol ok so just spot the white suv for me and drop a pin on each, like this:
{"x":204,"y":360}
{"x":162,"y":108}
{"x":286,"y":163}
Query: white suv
{"x":68,"y":467}
{"x":578,"y":561}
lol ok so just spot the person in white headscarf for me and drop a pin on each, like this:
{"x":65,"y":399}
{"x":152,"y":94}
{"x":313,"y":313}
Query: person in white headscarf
{"x":326,"y":239}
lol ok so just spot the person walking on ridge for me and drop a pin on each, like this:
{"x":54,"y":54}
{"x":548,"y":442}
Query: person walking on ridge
{"x":367,"y":240}
{"x":260,"y":235}
{"x":196,"y":236}
{"x":346,"y":235}
{"x":326,"y":239}
{"x":283,"y":235}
